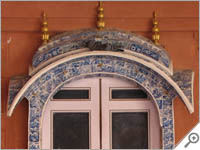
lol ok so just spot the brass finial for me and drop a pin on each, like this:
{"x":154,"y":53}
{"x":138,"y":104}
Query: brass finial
{"x":155,"y":29}
{"x":44,"y":29}
{"x":100,"y":22}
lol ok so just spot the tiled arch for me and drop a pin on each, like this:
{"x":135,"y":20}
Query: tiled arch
{"x":39,"y":92}
{"x":106,"y":53}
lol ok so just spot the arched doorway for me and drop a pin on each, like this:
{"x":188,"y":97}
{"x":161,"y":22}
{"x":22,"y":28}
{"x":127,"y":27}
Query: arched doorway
{"x":89,"y":53}
{"x":101,"y":113}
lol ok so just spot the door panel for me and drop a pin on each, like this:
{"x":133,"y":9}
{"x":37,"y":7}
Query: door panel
{"x":71,"y":130}
{"x":131,"y":105}
{"x":90,"y":105}
{"x":126,"y":126}
{"x":119,"y":121}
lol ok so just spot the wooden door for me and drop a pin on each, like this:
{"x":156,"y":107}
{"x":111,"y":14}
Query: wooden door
{"x":106,"y":109}
{"x":133,"y":117}
{"x":83,"y":103}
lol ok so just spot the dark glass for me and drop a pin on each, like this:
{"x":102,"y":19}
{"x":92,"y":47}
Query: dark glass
{"x":130,"y":130}
{"x":71,"y":130}
{"x":128,"y":94}
{"x":72,"y":94}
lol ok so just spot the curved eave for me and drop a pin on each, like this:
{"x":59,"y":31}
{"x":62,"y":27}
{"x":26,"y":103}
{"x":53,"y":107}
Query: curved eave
{"x":102,"y":53}
{"x":168,"y":71}
{"x":109,"y":39}
{"x":15,"y":84}
{"x":185,"y":80}
{"x":46,"y":63}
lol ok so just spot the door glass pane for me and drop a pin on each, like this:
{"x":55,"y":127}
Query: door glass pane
{"x":130,"y":130}
{"x":72,"y":94}
{"x":128,"y":93}
{"x":70,"y":130}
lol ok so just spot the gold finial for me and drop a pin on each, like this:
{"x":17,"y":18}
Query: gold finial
{"x":155,"y":29}
{"x":100,"y":22}
{"x":44,"y":29}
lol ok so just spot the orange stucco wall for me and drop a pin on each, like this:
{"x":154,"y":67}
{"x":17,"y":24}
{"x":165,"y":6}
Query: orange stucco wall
{"x":178,"y":22}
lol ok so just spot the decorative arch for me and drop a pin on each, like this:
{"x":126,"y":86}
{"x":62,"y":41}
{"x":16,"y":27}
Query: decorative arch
{"x":59,"y":62}
{"x":39,"y":90}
